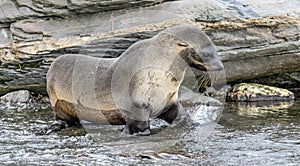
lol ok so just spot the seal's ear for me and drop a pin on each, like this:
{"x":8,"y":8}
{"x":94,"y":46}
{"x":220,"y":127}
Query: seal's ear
{"x":183,"y":44}
{"x":172,"y":39}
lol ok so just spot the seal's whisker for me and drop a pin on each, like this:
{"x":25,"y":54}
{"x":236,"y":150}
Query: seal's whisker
{"x":211,"y":77}
{"x":205,"y":79}
{"x":202,"y":80}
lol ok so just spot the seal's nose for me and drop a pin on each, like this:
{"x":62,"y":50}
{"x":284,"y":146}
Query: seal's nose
{"x":219,"y":66}
{"x":216,"y":64}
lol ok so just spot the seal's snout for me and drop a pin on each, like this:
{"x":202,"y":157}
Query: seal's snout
{"x":208,"y":56}
{"x":215,"y":64}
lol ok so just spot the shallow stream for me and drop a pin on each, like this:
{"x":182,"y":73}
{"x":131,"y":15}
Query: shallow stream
{"x":247,"y":134}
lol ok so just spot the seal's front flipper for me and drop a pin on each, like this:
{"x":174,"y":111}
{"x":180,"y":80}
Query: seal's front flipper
{"x":55,"y":126}
{"x":135,"y":127}
{"x":170,"y":113}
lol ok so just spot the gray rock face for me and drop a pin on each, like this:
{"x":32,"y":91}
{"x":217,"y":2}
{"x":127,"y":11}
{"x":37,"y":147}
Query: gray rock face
{"x":254,"y":39}
{"x":11,"y":11}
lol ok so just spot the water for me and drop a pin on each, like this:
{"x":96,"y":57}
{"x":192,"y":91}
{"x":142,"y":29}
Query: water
{"x":247,"y":134}
{"x":269,"y":136}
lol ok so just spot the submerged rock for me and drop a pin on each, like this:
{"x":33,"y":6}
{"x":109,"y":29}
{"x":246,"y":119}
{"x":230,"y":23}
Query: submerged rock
{"x":21,"y":96}
{"x":258,"y":92}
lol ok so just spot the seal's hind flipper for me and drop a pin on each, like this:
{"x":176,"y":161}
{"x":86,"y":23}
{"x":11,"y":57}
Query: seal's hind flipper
{"x":65,"y":117}
{"x":66,"y":111}
{"x":55,"y":126}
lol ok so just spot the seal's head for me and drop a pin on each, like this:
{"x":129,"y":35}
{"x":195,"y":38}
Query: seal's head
{"x":198,"y":52}
{"x":197,"y":49}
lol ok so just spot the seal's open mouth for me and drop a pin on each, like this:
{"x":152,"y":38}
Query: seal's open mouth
{"x":207,"y":70}
{"x":196,"y":63}
{"x":192,"y":58}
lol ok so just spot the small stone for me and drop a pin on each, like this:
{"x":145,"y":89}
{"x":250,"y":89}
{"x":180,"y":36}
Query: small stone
{"x":258,"y":92}
{"x":21,"y":96}
{"x":45,"y":99}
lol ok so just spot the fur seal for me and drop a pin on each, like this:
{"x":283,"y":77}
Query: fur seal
{"x":140,"y":84}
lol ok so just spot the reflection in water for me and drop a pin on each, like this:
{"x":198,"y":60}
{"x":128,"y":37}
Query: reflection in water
{"x":261,"y":108}
{"x":269,"y":136}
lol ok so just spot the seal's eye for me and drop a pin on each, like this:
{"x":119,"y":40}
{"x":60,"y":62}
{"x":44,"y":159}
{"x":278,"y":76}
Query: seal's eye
{"x":183,"y":44}
{"x":205,"y":54}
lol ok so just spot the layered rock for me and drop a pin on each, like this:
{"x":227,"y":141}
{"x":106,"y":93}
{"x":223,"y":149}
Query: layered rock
{"x":11,"y":11}
{"x":251,"y":41}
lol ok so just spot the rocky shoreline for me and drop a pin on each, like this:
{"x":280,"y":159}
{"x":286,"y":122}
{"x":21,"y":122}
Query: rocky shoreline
{"x":255,"y":44}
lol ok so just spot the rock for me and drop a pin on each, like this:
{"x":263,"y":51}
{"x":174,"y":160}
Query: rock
{"x":11,"y":11}
{"x":5,"y":35}
{"x":45,"y":99}
{"x":258,"y":92}
{"x":21,"y":96}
